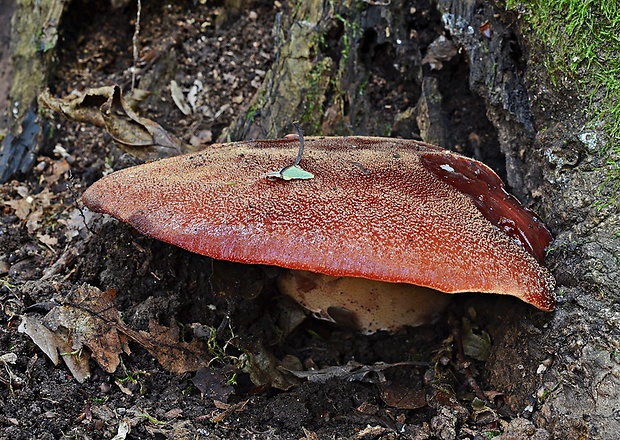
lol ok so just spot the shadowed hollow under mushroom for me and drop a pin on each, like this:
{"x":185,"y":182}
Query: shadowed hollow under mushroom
{"x":378,"y":210}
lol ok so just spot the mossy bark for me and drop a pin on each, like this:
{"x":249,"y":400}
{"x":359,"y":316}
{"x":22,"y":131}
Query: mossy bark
{"x":27,"y":64}
{"x":326,"y":60}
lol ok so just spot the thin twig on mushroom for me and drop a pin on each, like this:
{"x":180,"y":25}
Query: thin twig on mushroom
{"x":294,"y":171}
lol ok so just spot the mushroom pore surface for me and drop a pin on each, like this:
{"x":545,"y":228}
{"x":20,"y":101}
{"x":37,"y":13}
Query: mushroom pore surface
{"x":363,"y":304}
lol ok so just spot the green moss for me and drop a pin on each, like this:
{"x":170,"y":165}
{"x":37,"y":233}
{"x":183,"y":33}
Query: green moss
{"x":351,"y":31}
{"x":257,"y":106}
{"x":315,"y":97}
{"x":583,"y":47}
{"x":387,"y":130}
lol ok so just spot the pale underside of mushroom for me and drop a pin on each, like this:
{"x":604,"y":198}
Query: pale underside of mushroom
{"x":387,"y":210}
{"x":362,"y":304}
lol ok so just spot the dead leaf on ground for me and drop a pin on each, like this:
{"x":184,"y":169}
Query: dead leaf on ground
{"x":403,"y":397}
{"x":371,"y":432}
{"x":124,"y":428}
{"x":179,"y":98}
{"x":8,"y":358}
{"x":76,"y":222}
{"x":481,"y":413}
{"x":309,"y":435}
{"x":55,"y":343}
{"x":47,"y":239}
{"x":31,"y":207}
{"x":58,"y":169}
{"x":228,"y":410}
{"x":476,"y":343}
{"x":164,"y":343}
{"x":88,"y":318}
{"x":21,"y":207}
{"x":352,"y":371}
{"x":265,"y":370}
{"x":106,"y":107}
{"x":180,"y":430}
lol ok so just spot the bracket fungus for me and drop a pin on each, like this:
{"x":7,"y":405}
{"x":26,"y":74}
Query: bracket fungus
{"x":385,"y":210}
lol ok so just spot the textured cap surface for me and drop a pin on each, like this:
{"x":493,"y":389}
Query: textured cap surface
{"x":377,"y":208}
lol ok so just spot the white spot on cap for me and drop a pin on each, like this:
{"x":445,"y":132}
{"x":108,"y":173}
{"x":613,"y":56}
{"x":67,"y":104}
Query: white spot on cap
{"x":447,"y":167}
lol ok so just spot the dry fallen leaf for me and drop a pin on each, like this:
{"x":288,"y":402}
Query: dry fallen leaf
{"x":87,"y":322}
{"x":476,"y":343}
{"x":175,"y":355}
{"x":179,"y":98}
{"x":264,"y":369}
{"x":212,"y":383}
{"x":352,"y":371}
{"x":47,"y":239}
{"x":91,"y":317}
{"x":57,"y":343}
{"x":59,"y":168}
{"x":402,"y":397}
{"x":20,"y":206}
{"x":8,"y":358}
{"x":76,"y":222}
{"x":124,"y":428}
{"x":309,"y":435}
{"x":371,"y":432}
{"x":228,"y":410}
{"x":107,"y":108}
{"x":31,"y":207}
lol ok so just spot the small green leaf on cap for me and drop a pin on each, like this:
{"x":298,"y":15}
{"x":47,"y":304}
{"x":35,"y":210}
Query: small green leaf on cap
{"x":292,"y":172}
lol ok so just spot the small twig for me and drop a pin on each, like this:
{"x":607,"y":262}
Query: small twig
{"x":75,"y":195}
{"x":296,"y":171}
{"x":301,"y":144}
{"x":136,"y":33}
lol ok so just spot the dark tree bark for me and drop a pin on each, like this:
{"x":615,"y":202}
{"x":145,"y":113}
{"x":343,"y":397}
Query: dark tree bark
{"x":28,"y":36}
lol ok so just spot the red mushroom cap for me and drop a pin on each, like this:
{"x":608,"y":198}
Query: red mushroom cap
{"x":383,"y":209}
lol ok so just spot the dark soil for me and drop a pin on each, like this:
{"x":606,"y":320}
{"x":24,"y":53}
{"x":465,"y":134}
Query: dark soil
{"x":47,"y":252}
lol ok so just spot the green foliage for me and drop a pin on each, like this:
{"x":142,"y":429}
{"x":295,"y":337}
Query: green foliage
{"x":583,"y":40}
{"x":151,"y":419}
{"x":131,"y":377}
{"x":257,"y":106}
{"x":7,"y":284}
{"x":228,"y":353}
{"x":546,"y":393}
{"x":351,"y":30}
